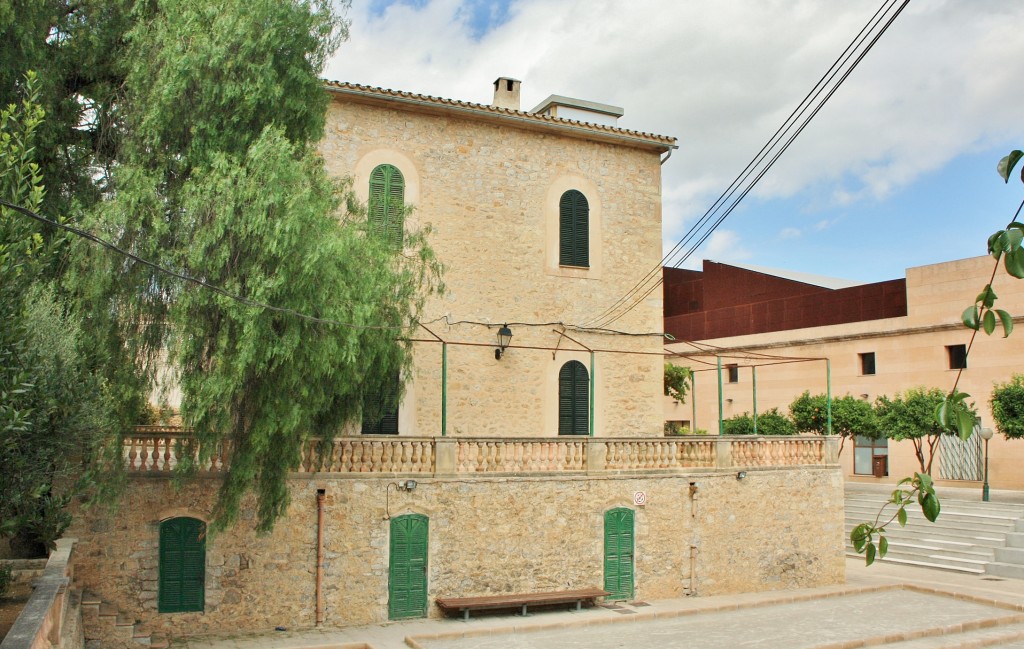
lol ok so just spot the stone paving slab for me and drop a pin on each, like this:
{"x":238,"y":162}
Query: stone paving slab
{"x":753,"y":614}
{"x":809,"y":624}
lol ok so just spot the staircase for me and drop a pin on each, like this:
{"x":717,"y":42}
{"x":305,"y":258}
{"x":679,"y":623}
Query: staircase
{"x":969,"y":536}
{"x":103,"y":621}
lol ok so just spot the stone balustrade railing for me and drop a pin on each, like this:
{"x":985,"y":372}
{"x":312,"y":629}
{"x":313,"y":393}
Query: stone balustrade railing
{"x":149,"y":451}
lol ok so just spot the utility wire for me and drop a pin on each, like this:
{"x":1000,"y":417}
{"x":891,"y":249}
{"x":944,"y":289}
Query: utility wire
{"x":609,"y":315}
{"x":261,"y":305}
{"x":186,"y":278}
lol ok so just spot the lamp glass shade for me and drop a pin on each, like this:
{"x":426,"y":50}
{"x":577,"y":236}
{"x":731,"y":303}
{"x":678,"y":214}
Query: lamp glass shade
{"x":504,"y":336}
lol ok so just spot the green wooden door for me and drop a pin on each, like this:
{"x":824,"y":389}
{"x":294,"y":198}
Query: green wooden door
{"x":407,"y":574}
{"x":182,"y":565}
{"x":618,"y":553}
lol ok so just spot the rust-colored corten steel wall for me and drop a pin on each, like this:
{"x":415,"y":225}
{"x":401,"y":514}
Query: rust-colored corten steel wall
{"x":727,"y":301}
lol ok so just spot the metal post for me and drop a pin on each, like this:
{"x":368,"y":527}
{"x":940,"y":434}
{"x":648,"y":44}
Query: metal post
{"x":828,"y":399}
{"x":693,"y":401}
{"x":591,"y":422}
{"x":720,"y":420}
{"x":984,"y":486}
{"x":753,"y":374}
{"x":444,"y":389}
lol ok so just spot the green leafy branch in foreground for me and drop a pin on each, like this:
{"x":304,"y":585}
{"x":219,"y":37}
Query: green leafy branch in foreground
{"x":954,"y":413}
{"x":921,"y":488}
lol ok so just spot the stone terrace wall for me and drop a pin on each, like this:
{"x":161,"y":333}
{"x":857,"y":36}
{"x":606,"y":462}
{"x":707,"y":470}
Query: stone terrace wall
{"x":487,"y":535}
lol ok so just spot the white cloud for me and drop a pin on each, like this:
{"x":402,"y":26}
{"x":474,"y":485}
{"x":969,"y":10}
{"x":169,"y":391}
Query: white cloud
{"x":943,"y":81}
{"x":789,"y":233}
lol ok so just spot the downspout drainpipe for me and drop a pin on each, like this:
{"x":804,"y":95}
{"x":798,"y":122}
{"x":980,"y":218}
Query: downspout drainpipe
{"x":319,"y":557}
{"x":693,"y":569}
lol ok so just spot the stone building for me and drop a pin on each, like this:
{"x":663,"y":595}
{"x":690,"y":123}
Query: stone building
{"x":879,"y":339}
{"x":535,"y":467}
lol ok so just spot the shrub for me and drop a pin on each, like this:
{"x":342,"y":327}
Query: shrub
{"x":5,"y":579}
{"x":1008,"y":407}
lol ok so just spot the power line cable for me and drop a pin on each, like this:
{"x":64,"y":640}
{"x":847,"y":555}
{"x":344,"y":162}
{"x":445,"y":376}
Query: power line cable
{"x":262,"y":305}
{"x":779,"y":134}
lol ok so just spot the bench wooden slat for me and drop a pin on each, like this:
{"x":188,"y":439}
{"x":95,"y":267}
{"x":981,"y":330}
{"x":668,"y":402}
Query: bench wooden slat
{"x":466,"y":604}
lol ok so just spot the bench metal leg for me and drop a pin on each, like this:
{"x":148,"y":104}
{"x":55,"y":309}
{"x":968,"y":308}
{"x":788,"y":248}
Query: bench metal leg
{"x":465,"y":615}
{"x":524,"y":611}
{"x":579,"y":604}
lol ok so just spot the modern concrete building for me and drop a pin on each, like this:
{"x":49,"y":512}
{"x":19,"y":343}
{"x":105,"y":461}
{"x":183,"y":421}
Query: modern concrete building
{"x":879,"y":339}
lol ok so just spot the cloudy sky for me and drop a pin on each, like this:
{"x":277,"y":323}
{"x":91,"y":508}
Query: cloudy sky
{"x":897,"y":170}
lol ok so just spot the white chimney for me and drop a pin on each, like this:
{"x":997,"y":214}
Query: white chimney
{"x":506,"y":93}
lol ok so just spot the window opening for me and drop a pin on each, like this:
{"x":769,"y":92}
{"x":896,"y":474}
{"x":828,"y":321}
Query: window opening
{"x":867,"y":363}
{"x":957,"y":356}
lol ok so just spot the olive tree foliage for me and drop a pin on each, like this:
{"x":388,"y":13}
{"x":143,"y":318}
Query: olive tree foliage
{"x":850,"y":417}
{"x":953,"y":412}
{"x":187,"y":134}
{"x":55,"y":439}
{"x":1008,"y":407}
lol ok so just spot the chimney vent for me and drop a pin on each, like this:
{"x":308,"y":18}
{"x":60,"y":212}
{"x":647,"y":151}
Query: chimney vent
{"x":506,"y":93}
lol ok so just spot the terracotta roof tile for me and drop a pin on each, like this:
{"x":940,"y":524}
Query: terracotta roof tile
{"x":372,"y":91}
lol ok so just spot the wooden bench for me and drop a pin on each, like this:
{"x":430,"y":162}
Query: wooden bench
{"x":466,"y":604}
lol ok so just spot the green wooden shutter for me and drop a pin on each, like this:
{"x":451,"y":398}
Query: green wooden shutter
{"x":407,"y":573}
{"x":182,"y":565}
{"x":573,"y":228}
{"x":387,"y":203}
{"x":618,"y":553}
{"x":573,"y":399}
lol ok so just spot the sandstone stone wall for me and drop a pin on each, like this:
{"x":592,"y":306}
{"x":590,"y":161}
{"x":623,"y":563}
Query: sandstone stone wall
{"x":487,"y":535}
{"x":489,"y":192}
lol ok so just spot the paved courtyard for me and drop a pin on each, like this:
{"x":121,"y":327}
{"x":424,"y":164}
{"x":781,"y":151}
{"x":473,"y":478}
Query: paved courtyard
{"x":880,"y":606}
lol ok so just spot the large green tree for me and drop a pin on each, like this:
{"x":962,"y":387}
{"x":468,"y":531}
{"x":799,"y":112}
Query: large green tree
{"x":202,"y":122}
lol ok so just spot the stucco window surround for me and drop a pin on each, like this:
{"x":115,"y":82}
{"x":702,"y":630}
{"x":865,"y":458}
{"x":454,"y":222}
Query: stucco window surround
{"x":552,"y":229}
{"x":384,"y":156}
{"x":551,"y":385}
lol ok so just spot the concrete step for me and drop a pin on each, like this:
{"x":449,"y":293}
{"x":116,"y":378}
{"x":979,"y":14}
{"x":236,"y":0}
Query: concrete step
{"x":992,"y":636}
{"x":159,"y":641}
{"x":1015,"y":540}
{"x":1010,"y":555}
{"x":914,"y":515}
{"x":1000,"y":569}
{"x":947,"y":562}
{"x":925,"y":563}
{"x":972,"y":553}
{"x":938,"y":534}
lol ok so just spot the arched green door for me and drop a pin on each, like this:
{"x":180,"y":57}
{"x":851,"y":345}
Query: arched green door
{"x":618,"y":553}
{"x":182,"y":565}
{"x":407,"y":573}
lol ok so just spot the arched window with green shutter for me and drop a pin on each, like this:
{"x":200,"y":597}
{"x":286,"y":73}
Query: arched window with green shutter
{"x":182,"y":565}
{"x":387,"y":203}
{"x":573,"y":399}
{"x":573,"y":229}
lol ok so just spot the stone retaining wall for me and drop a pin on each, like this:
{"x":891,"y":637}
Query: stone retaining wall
{"x":487,"y":535}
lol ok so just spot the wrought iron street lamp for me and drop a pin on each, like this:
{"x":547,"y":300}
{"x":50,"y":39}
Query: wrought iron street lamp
{"x":504,"y":338}
{"x":986,"y":434}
